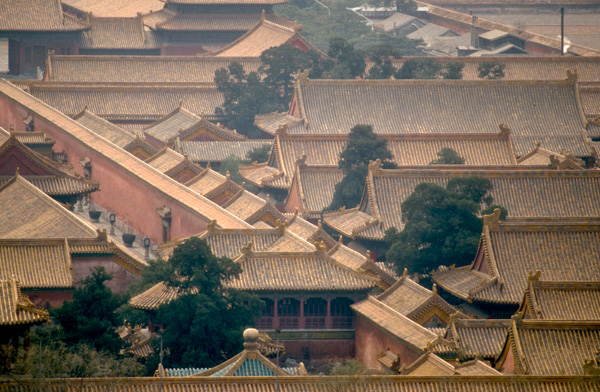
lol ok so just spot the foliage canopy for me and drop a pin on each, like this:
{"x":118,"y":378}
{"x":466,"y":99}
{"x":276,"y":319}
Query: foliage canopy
{"x":448,"y":156}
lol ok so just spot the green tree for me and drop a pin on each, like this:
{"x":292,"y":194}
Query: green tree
{"x":442,"y":225}
{"x":382,"y":55}
{"x":259,"y":154}
{"x":90,"y":317}
{"x":204,"y":326}
{"x":350,"y":61}
{"x":448,"y":156}
{"x":363,"y":146}
{"x":429,"y":68}
{"x":490,"y":70}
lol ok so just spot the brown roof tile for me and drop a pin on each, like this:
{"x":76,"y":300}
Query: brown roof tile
{"x":528,"y":108}
{"x":15,"y":307}
{"x":206,"y":181}
{"x":154,"y":297}
{"x":428,"y":364}
{"x":226,"y":2}
{"x":27,"y":212}
{"x":542,"y":157}
{"x":165,"y":160}
{"x":37,"y":264}
{"x":104,"y":128}
{"x":37,"y":15}
{"x":563,"y":251}
{"x":140,"y":69}
{"x":118,"y":33}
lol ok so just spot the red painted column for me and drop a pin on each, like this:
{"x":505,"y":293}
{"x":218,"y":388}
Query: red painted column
{"x":328,"y":320}
{"x":301,"y":319}
{"x":276,"y":313}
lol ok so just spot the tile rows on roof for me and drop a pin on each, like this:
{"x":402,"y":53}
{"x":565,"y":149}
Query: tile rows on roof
{"x":15,"y":307}
{"x":565,"y":252}
{"x":114,"y":8}
{"x":449,"y":107}
{"x":118,"y":33}
{"x":104,"y":128}
{"x":140,"y":69}
{"x":526,"y":193}
{"x":196,"y":203}
{"x":556,"y":300}
{"x":218,"y":151}
{"x":37,"y":16}
{"x":474,"y":338}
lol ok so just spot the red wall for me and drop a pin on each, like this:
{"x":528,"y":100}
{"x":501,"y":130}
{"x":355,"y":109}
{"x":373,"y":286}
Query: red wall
{"x":52,"y":299}
{"x":318,"y":350}
{"x":370,"y":342}
{"x":129,"y":197}
{"x":121,"y":279}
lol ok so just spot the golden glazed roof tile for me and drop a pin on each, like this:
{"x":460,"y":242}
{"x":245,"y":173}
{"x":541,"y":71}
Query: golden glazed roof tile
{"x":194,"y":202}
{"x":140,"y":69}
{"x":555,"y":300}
{"x":42,"y":264}
{"x":206,"y":181}
{"x":553,"y":347}
{"x":118,"y":33}
{"x":27,"y":212}
{"x":104,"y":128}
{"x":165,"y":160}
{"x":449,"y":107}
{"x":398,"y":325}
{"x":127,"y":99}
{"x":508,"y":383}
{"x":275,"y":271}
{"x":218,"y":151}
{"x":475,"y":338}
{"x":428,"y":364}
{"x":37,"y":15}
{"x":114,"y":8}
{"x":15,"y":307}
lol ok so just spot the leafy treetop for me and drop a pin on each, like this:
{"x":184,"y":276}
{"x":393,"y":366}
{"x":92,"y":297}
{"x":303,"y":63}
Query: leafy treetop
{"x":448,"y":156}
{"x":490,"y":70}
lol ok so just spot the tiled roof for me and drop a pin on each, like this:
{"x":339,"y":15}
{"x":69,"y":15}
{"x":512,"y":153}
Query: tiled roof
{"x":509,"y":383}
{"x":552,"y":347}
{"x":212,"y":22}
{"x":393,"y":322}
{"x":315,"y":186}
{"x":428,"y":364}
{"x":15,"y":307}
{"x":104,"y":128}
{"x":250,"y":208}
{"x":37,"y":264}
{"x":308,"y":231}
{"x":37,"y":15}
{"x":206,"y":181}
{"x":590,"y":98}
{"x":525,"y":193}
{"x":476,"y":368}
{"x":315,"y":271}
{"x":563,"y":251}
{"x":363,"y":264}
{"x":290,"y":150}
{"x":165,"y":160}
{"x":140,"y":69}
{"x":216,"y":132}
{"x":27,"y":212}
{"x":289,"y":242}
{"x":114,"y":8}
{"x":218,"y":151}
{"x":118,"y":33}
{"x":527,"y":107}
{"x":264,"y":35}
{"x":413,"y":300}
{"x":122,"y":101}
{"x":169,"y":125}
{"x":50,"y":177}
{"x":542,"y":157}
{"x":249,"y":363}
{"x":475,"y":338}
{"x":28,"y":138}
{"x":527,"y":67}
{"x":163,"y":184}
{"x":154,"y":297}
{"x":270,"y":123}
{"x":551,"y":300}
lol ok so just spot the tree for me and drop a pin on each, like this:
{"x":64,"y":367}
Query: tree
{"x":347,"y":57}
{"x":244,"y":95}
{"x":90,"y":317}
{"x":490,"y":70}
{"x":442,"y":225}
{"x":204,"y":325}
{"x":429,"y":68}
{"x":259,"y":154}
{"x":382,"y":55}
{"x":447,"y":156}
{"x":363,"y":146}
